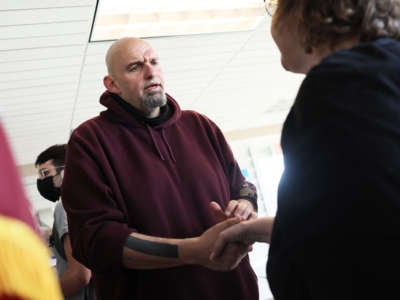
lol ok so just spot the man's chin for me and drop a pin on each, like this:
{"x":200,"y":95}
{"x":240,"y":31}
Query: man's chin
{"x":155,"y":94}
{"x":156,"y":99}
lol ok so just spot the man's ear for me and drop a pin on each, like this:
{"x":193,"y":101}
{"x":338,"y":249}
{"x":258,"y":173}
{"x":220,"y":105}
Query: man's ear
{"x":110,"y":84}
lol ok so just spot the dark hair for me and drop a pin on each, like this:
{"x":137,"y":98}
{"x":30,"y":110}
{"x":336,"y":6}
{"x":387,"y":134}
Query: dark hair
{"x":329,"y":22}
{"x":55,"y":153}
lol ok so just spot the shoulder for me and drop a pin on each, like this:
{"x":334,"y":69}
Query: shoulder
{"x":353,"y":73}
{"x":59,"y":208}
{"x":200,"y":122}
{"x":197,"y":117}
{"x":90,"y":131}
{"x":355,"y":86}
{"x":88,"y":125}
{"x":60,"y":216}
{"x":365,"y":59}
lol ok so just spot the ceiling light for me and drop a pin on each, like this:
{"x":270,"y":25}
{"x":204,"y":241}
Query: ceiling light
{"x":119,"y":18}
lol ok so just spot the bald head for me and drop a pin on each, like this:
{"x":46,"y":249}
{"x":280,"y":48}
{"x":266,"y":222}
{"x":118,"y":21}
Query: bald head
{"x":119,"y":47}
{"x":134,"y":74}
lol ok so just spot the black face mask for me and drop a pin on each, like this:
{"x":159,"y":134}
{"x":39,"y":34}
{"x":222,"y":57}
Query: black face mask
{"x":47,"y":189}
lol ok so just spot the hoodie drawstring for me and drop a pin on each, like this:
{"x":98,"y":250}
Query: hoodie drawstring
{"x":165,"y":140}
{"x":155,"y":142}
{"x":168,"y":146}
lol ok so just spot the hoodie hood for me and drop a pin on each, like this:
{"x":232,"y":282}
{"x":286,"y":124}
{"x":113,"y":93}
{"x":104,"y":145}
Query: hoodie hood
{"x":117,"y":113}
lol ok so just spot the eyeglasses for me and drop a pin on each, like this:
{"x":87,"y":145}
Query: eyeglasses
{"x":271,"y":6}
{"x":46,"y":172}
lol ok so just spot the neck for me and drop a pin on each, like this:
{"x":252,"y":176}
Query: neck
{"x":317,"y":54}
{"x":152,"y":114}
{"x":152,"y":118}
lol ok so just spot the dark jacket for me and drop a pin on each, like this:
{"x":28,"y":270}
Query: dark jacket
{"x":337,"y":229}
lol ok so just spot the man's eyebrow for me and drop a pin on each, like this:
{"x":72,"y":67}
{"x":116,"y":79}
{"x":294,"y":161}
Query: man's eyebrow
{"x":140,"y":61}
{"x":135,"y":62}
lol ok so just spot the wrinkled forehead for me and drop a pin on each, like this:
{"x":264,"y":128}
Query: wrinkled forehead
{"x":127,"y":51}
{"x":140,"y":51}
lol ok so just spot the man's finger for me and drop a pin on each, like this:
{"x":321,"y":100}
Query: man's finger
{"x":232,"y":205}
{"x":221,"y":242}
{"x":217,"y":210}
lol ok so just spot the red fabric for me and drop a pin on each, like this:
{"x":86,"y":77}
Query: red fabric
{"x":13,"y":202}
{"x":9,"y":297}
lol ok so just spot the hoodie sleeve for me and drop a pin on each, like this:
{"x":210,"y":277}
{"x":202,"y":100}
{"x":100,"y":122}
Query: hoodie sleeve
{"x":95,"y":209}
{"x":239,"y":187}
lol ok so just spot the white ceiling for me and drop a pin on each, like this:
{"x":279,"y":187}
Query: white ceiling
{"x":51,"y":77}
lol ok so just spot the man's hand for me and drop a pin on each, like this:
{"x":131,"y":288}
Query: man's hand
{"x":201,"y":247}
{"x":241,"y":208}
{"x":246,"y":232}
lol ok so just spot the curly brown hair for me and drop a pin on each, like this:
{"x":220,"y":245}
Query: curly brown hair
{"x":329,"y":22}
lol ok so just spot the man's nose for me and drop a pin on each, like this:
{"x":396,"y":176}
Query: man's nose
{"x":149,"y":71}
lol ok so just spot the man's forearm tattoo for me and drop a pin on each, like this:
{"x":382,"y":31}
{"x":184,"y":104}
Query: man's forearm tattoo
{"x":152,"y":248}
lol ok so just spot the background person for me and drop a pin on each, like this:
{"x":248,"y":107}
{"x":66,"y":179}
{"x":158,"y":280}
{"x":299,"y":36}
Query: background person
{"x":73,"y":276}
{"x":336,"y":234}
{"x":138,"y":185}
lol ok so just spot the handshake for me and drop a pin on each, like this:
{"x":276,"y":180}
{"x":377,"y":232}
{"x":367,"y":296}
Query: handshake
{"x":221,"y":247}
{"x":224,"y":245}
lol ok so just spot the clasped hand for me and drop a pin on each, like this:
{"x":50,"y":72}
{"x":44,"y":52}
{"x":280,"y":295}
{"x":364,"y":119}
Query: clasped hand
{"x":228,"y":255}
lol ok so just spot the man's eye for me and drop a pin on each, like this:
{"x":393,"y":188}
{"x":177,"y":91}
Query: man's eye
{"x":133,"y":68}
{"x":46,"y":173}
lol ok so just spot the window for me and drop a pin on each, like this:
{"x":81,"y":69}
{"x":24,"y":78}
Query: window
{"x":261,"y":162}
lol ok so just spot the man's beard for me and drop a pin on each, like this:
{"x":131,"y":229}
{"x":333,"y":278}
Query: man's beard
{"x":154,"y":100}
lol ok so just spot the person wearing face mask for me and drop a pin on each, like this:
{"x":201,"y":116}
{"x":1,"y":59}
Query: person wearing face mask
{"x":74,"y":277}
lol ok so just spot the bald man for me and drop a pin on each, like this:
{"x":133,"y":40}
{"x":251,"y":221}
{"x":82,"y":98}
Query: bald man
{"x":144,"y":184}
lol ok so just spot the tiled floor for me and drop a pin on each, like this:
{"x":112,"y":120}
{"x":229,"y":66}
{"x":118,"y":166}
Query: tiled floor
{"x":258,"y":258}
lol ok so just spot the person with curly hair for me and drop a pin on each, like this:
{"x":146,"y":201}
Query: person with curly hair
{"x":336,"y":234}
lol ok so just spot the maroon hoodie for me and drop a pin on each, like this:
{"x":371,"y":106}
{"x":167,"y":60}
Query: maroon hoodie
{"x":123,"y":176}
